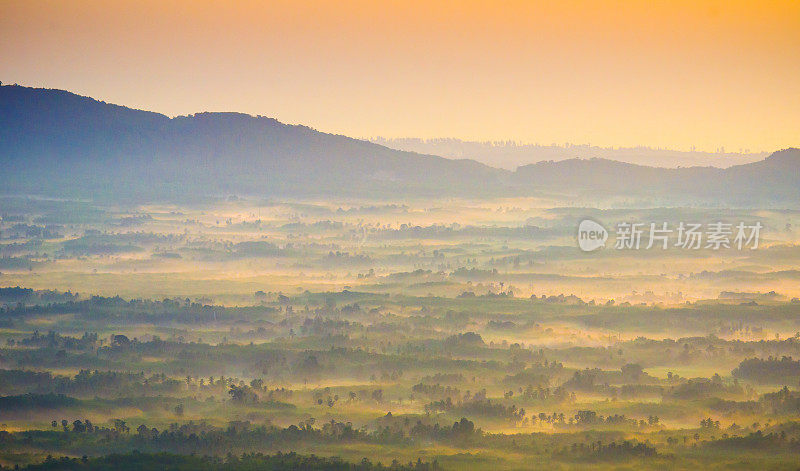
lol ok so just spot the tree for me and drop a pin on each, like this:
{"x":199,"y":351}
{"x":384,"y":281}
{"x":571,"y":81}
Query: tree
{"x":120,"y":425}
{"x":242,"y":394}
{"x":463,"y":428}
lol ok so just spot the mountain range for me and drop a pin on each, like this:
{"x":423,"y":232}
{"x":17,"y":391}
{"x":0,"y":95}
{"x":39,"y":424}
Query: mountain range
{"x":58,"y":144}
{"x":512,"y":154}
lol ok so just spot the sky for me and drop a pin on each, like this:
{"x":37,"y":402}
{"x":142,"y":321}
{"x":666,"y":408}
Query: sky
{"x":675,"y":74}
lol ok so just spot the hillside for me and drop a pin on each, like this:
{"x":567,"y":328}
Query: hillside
{"x":775,"y":179}
{"x":60,"y":144}
{"x":55,"y":143}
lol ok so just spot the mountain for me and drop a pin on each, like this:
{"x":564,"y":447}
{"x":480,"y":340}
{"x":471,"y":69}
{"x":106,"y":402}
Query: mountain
{"x":60,"y":144}
{"x":774,"y":180}
{"x":55,"y":143}
{"x":510,"y":155}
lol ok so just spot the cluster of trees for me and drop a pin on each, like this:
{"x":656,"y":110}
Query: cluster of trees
{"x":108,"y":309}
{"x":14,"y":295}
{"x":709,"y":424}
{"x":445,"y":378}
{"x":540,"y":394}
{"x":22,"y":230}
{"x":781,"y":402}
{"x":136,"y":461}
{"x":596,"y":379}
{"x":86,"y":426}
{"x":478,"y":405}
{"x":435,"y":390}
{"x":784,"y":401}
{"x":325,"y":326}
{"x":700,"y":388}
{"x":55,"y":340}
{"x":241,"y":435}
{"x":590,"y":417}
{"x":771,"y":370}
{"x":539,"y":373}
{"x":87,"y":383}
{"x":398,"y":429}
{"x":584,"y":380}
{"x":612,"y":452}
{"x":759,"y":440}
{"x":243,"y":395}
{"x":29,"y":401}
{"x":192,"y":437}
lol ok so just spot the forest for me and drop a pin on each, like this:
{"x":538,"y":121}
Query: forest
{"x":242,"y":333}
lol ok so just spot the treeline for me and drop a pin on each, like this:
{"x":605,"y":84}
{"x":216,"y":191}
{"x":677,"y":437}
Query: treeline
{"x":36,"y":401}
{"x":26,"y":295}
{"x":477,"y":405}
{"x":87,"y":383}
{"x":758,"y":440}
{"x":539,"y":374}
{"x":782,"y":402}
{"x":700,"y":388}
{"x":435,"y":390}
{"x":108,"y":309}
{"x":607,"y":452}
{"x":239,"y":436}
{"x":588,"y":418}
{"x":248,"y":462}
{"x":55,"y":340}
{"x":771,"y":370}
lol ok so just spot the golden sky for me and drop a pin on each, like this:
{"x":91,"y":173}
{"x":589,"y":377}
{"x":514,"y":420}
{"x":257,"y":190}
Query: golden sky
{"x":660,"y":73}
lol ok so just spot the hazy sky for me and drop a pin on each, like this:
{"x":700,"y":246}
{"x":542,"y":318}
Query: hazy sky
{"x":671,"y":74}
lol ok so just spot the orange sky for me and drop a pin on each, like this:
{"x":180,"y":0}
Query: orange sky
{"x":671,"y":74}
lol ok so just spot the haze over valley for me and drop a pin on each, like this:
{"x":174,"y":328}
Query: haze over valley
{"x":585,"y":255}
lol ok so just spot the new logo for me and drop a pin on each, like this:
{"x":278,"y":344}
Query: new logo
{"x":591,"y":235}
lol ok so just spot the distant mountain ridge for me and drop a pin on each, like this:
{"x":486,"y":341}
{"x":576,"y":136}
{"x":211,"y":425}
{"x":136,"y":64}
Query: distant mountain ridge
{"x":56,"y":143}
{"x":510,"y":154}
{"x":775,"y":179}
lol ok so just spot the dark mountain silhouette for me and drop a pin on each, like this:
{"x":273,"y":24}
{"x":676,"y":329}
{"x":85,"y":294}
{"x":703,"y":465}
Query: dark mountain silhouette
{"x":774,"y":180}
{"x":56,"y":143}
